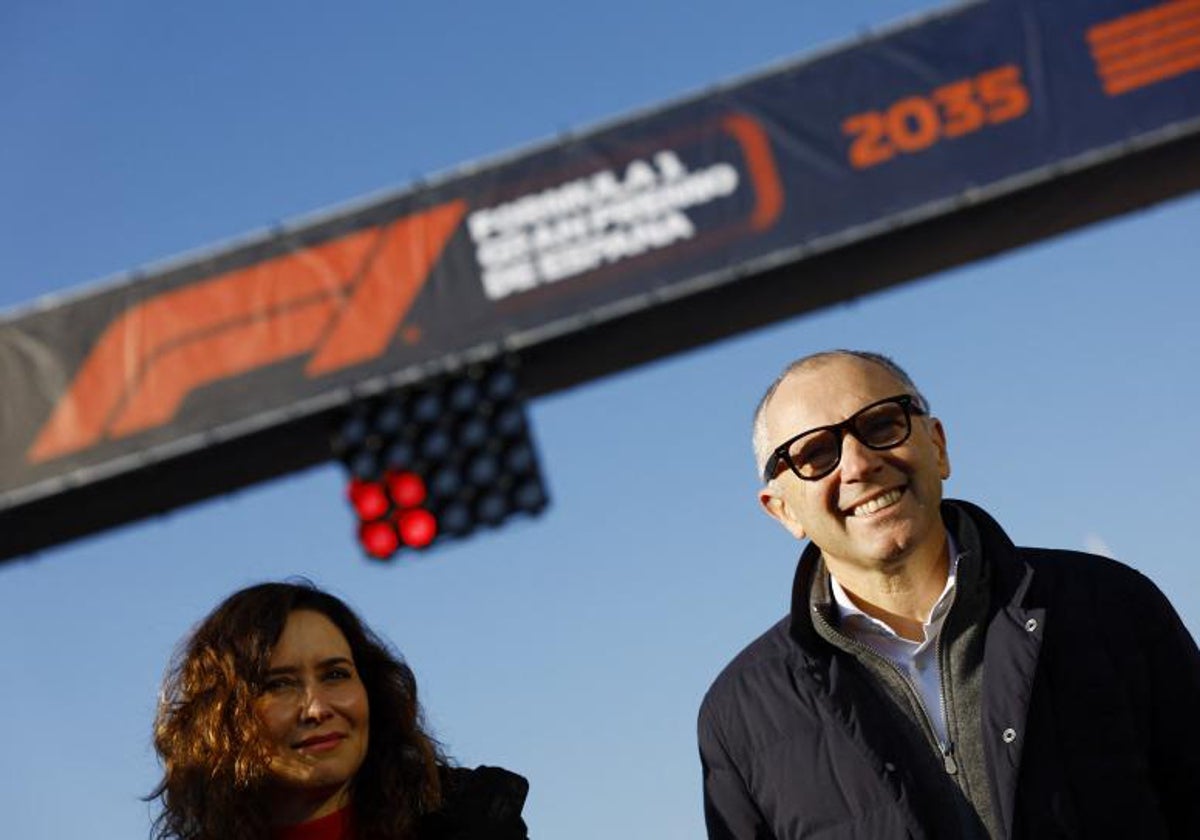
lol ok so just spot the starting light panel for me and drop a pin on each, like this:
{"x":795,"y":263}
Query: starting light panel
{"x":439,"y":459}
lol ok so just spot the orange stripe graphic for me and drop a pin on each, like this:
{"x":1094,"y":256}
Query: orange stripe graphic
{"x":1161,"y":53}
{"x":154,"y":354}
{"x":761,"y":166}
{"x":1147,"y":47}
{"x":1141,"y":43}
{"x":1132,"y":23}
{"x":1155,"y":73}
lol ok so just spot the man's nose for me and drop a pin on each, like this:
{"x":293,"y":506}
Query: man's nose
{"x":858,"y":459}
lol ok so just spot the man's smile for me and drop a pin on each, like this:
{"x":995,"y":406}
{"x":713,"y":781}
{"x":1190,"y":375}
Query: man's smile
{"x":877,"y":503}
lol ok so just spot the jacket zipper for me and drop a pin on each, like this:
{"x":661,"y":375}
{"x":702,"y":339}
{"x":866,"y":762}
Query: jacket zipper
{"x":945,"y":750}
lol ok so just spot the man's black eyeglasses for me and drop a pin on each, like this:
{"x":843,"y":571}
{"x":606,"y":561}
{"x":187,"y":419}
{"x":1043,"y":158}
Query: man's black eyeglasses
{"x":816,"y":453}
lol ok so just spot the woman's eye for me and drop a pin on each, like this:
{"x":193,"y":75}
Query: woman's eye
{"x":338,"y":674}
{"x":277,"y":684}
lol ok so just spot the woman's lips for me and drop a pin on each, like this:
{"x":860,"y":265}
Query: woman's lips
{"x":320,"y":744}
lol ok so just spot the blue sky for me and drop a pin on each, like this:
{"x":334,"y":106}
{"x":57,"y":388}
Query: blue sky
{"x":574,"y":648}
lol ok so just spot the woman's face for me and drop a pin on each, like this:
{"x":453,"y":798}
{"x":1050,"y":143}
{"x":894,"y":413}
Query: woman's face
{"x":315,"y":714}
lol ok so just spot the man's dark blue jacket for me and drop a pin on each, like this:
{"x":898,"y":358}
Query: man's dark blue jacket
{"x":1090,"y":714}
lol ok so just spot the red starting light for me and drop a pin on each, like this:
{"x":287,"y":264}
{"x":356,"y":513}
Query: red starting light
{"x":379,"y":539}
{"x":417,"y":527}
{"x":439,"y":458}
{"x":369,"y":499}
{"x":407,"y":488}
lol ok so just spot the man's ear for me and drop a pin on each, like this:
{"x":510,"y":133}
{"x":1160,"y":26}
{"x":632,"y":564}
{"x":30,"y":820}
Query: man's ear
{"x":938,"y":434}
{"x":777,"y":507}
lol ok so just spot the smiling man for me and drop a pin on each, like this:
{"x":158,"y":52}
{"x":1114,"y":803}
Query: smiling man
{"x":932,"y":679}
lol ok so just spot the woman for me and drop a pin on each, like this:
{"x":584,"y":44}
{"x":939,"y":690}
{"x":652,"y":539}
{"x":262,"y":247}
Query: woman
{"x":286,"y":718}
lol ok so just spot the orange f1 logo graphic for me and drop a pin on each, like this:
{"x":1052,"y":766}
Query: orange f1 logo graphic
{"x":342,"y":300}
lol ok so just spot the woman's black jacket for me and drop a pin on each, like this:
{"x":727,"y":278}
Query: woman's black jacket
{"x":480,"y":804}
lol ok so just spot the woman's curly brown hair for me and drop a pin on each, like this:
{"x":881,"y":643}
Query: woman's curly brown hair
{"x":211,"y":747}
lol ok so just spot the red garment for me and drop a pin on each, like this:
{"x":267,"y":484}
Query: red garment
{"x":336,"y":826}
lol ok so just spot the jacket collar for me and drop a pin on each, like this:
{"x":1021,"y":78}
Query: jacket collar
{"x":977,"y":531}
{"x":977,"y":535}
{"x":801,"y":626}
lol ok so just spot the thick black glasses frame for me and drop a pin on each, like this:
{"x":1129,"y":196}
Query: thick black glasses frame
{"x":780,"y":453}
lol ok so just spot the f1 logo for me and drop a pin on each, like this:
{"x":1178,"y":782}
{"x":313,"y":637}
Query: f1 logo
{"x":342,"y":301}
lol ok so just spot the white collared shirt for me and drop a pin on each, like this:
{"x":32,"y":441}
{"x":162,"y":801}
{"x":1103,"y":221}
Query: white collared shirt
{"x":916,"y":660}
